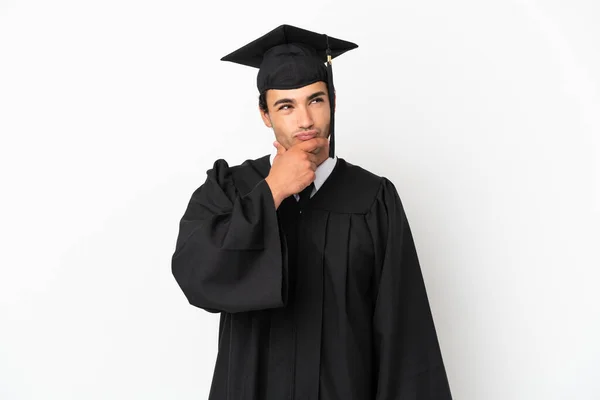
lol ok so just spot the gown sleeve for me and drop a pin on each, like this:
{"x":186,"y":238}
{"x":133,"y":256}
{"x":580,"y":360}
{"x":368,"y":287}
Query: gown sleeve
{"x":229,"y":255}
{"x":408,"y":360}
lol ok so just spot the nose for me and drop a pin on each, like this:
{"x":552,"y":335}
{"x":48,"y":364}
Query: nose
{"x":305,"y":120}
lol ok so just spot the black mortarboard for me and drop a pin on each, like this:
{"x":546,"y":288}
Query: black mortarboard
{"x":289,"y":58}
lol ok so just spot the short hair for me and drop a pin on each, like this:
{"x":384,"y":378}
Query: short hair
{"x":262,"y":101}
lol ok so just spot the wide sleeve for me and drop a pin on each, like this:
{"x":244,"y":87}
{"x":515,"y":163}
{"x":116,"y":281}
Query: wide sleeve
{"x":229,"y":254}
{"x":408,"y":360}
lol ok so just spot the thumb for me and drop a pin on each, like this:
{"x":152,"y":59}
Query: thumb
{"x":280,"y":148}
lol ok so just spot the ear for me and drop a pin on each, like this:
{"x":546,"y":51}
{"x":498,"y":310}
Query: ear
{"x":265,"y":117}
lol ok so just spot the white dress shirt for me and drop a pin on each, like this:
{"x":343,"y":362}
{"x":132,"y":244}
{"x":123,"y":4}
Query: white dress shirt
{"x":322,"y":172}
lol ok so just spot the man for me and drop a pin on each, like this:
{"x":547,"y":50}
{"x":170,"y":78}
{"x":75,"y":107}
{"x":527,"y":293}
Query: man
{"x":308,"y":259}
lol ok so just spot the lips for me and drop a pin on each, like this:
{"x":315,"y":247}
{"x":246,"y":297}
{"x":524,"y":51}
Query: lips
{"x":307,"y":135}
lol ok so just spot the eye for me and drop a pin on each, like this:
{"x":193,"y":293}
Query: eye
{"x":285,"y":107}
{"x":317,"y":100}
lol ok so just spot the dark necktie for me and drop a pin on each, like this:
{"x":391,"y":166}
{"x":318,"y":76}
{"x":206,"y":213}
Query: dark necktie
{"x":305,"y":195}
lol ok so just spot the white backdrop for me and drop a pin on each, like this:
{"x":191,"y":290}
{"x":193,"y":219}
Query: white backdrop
{"x":485,"y":115}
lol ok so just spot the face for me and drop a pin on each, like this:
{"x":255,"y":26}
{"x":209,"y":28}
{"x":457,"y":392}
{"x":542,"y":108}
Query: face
{"x":298,"y":114}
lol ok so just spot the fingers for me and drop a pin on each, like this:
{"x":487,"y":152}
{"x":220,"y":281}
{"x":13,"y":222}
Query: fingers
{"x":313,"y":158}
{"x":279,"y":147}
{"x":312,"y":144}
{"x":310,"y":150}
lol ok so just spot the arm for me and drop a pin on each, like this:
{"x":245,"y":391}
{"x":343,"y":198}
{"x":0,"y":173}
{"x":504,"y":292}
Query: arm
{"x":408,"y":360}
{"x":229,"y":255}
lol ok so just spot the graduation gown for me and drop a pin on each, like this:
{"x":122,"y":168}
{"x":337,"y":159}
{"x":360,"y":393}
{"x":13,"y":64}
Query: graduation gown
{"x":326,"y":302}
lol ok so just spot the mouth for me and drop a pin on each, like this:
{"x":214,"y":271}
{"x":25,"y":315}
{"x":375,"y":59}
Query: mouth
{"x":306,"y":135}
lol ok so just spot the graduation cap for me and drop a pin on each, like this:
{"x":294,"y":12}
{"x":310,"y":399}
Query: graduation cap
{"x":289,"y":58}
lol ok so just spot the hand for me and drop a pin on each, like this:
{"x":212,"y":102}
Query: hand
{"x":294,"y":169}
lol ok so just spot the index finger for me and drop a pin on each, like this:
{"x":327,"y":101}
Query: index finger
{"x":312,"y":144}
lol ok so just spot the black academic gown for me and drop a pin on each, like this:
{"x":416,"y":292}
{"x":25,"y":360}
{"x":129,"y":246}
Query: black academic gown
{"x":324,"y":303}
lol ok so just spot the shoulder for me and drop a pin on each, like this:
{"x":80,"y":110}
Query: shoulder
{"x":256,"y":164}
{"x":243,"y":176}
{"x":375,"y":185}
{"x":368,"y":181}
{"x":354,"y":189}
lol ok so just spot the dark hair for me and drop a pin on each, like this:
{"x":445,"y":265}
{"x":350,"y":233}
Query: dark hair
{"x":262,"y":101}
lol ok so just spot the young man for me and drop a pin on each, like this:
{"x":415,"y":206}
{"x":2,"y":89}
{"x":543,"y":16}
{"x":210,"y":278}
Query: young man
{"x":308,"y":259}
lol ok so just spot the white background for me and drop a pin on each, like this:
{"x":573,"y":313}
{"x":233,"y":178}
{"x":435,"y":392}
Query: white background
{"x":485,"y":115}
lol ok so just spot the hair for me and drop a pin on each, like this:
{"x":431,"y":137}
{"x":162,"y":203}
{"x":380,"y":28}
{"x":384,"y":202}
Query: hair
{"x":262,"y":101}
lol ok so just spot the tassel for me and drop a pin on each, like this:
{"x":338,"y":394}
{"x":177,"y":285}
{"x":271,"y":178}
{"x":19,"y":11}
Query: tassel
{"x":331,"y":91}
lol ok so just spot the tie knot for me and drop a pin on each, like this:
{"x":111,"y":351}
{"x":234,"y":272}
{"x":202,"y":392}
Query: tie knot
{"x":305,"y":194}
{"x":307,"y":190}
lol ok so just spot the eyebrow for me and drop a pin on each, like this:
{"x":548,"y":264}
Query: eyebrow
{"x":312,"y":96}
{"x":285,"y":101}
